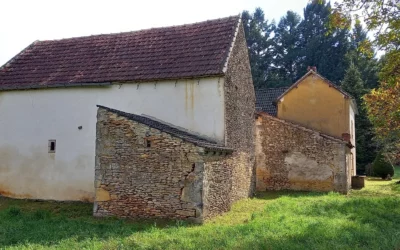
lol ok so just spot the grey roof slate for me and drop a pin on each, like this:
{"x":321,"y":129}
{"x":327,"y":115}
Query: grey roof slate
{"x":174,"y":131}
{"x":266,"y":97}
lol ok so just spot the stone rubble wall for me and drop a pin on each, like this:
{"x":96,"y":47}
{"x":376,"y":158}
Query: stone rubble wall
{"x":239,"y":119}
{"x":171,"y":179}
{"x":292,"y":157}
{"x":217,"y":194}
{"x":136,"y":181}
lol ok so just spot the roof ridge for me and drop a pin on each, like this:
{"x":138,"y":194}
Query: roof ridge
{"x":140,"y":30}
{"x":283,"y":87}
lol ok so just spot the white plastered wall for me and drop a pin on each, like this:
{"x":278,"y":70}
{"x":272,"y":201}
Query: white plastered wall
{"x":353,"y":136}
{"x":30,"y":118}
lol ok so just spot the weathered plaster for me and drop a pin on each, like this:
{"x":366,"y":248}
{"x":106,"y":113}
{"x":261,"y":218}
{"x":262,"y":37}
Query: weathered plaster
{"x":316,"y":105}
{"x":29,"y":118}
{"x":290,"y":156}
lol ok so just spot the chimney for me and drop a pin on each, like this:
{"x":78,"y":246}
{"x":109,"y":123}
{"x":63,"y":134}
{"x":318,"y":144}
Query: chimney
{"x":313,"y":68}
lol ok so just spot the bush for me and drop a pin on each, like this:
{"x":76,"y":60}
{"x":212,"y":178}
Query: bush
{"x":381,"y":167}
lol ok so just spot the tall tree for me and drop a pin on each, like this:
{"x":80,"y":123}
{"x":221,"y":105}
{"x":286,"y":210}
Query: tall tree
{"x":323,"y":46}
{"x":287,"y":47}
{"x":366,"y":149}
{"x":258,"y":33}
{"x":382,"y":18}
{"x":363,"y":56}
{"x":383,"y":106}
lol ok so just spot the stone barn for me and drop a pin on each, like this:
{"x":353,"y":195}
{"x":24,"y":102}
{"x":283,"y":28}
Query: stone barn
{"x":174,"y":135}
{"x":305,"y":136}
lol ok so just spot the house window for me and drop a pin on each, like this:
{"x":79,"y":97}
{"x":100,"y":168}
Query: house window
{"x":52,"y":146}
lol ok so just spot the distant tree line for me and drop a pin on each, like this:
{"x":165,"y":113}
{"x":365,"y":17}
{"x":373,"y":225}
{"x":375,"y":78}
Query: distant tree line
{"x":281,"y":52}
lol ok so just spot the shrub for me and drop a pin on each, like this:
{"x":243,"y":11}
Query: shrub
{"x":381,"y":167}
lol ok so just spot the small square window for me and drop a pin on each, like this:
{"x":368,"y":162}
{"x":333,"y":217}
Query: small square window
{"x":52,"y":146}
{"x":148,"y":143}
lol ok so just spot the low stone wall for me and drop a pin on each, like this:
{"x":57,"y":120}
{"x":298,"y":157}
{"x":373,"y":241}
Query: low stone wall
{"x":217,"y":189}
{"x":290,"y":156}
{"x":226,"y":181}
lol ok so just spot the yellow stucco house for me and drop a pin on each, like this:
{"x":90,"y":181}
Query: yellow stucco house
{"x":316,"y":103}
{"x":320,"y":112}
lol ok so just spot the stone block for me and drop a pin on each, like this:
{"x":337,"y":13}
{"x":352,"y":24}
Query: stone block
{"x":102,"y":195}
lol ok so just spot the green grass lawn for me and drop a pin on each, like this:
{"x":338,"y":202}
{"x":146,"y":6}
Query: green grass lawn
{"x":364,"y":219}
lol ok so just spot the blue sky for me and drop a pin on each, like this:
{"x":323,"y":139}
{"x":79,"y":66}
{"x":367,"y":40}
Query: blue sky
{"x":24,"y":21}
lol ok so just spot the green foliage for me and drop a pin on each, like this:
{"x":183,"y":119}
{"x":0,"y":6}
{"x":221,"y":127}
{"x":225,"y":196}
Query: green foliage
{"x":382,"y":18}
{"x":287,"y":47}
{"x":352,"y":82}
{"x":381,"y":167}
{"x":259,"y":41}
{"x":363,"y":58}
{"x":383,"y":106}
{"x":364,"y":219}
{"x":13,"y":211}
{"x":321,"y":46}
{"x":280,"y":54}
{"x":41,"y":214}
{"x":366,"y":149}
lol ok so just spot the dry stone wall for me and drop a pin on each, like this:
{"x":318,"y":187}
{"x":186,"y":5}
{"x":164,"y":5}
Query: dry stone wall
{"x":239,"y":119}
{"x":168,"y":178}
{"x":289,"y":156}
{"x":134,"y":180}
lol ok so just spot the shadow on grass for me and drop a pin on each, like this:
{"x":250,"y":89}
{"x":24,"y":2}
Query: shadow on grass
{"x":376,"y":179}
{"x":272,"y":195}
{"x":330,"y":222}
{"x":49,"y":222}
{"x":396,"y":186}
{"x":292,"y":220}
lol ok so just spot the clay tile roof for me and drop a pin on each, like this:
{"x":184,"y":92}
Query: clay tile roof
{"x":266,"y":99}
{"x":172,"y":130}
{"x":186,"y":51}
